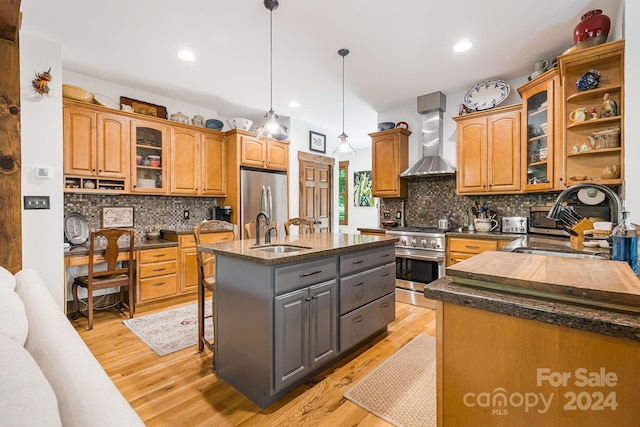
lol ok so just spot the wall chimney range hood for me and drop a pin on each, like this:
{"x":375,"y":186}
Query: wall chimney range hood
{"x":431,"y":106}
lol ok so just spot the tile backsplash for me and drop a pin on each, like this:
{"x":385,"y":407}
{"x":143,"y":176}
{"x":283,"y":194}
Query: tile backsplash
{"x":163,"y":211}
{"x":432,"y":198}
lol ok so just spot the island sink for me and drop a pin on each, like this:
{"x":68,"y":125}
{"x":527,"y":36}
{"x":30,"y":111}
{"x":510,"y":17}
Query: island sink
{"x":280,"y":248}
{"x":550,"y":252}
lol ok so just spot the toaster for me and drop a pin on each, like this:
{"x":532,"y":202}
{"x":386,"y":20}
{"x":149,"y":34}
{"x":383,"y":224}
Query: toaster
{"x":514,"y":224}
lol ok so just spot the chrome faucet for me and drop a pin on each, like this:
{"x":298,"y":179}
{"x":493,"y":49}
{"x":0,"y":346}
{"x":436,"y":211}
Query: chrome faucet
{"x":267,"y":236}
{"x":615,"y":214}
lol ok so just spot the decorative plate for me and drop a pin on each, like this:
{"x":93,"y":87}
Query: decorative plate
{"x":486,"y":94}
{"x":105,"y":101}
{"x":76,"y":228}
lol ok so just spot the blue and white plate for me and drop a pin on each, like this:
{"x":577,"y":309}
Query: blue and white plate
{"x":486,"y":94}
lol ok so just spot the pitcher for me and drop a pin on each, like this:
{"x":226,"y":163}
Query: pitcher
{"x":578,"y":115}
{"x":485,"y":224}
{"x":539,"y":68}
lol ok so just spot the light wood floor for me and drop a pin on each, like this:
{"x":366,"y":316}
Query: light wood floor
{"x":181,"y":389}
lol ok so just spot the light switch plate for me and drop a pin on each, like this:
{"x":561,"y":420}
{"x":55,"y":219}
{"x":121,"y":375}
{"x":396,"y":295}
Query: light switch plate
{"x":36,"y":202}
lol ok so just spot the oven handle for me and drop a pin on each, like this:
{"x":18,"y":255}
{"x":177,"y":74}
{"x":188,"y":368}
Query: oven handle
{"x":436,"y":258}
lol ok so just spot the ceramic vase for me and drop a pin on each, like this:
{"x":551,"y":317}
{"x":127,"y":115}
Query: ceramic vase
{"x":592,"y":30}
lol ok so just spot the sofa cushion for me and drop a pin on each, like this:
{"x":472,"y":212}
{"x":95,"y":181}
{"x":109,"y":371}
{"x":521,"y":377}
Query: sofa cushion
{"x":13,"y":318}
{"x":86,"y":395}
{"x":7,"y":280}
{"x":26,"y":398}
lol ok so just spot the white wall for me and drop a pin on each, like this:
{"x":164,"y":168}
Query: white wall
{"x":359,"y":217}
{"x":41,"y":133}
{"x":632,"y":107}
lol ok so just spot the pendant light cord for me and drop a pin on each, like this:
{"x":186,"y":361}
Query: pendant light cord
{"x":271,"y":59}
{"x":343,"y":94}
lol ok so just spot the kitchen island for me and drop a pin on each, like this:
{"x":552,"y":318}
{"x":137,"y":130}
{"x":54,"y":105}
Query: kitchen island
{"x":508,"y":357}
{"x":288,"y":309}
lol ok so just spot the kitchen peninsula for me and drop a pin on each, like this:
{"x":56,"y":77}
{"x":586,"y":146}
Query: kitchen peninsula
{"x":513,"y":351}
{"x":286,"y":310}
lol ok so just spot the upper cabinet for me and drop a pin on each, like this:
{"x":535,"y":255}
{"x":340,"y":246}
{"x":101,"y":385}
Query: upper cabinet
{"x":96,"y":154}
{"x":263,"y":153}
{"x":593,"y":115}
{"x":390,"y":157}
{"x":150,"y":155}
{"x":488,"y":151}
{"x":543,"y":156}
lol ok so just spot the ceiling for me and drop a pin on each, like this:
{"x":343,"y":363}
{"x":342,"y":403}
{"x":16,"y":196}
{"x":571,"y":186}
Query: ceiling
{"x":399,"y":50}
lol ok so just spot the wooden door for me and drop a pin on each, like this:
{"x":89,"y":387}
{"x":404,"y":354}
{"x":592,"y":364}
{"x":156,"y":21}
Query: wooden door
{"x":277,"y":155}
{"x":79,"y":142}
{"x":316,"y":185}
{"x":112,"y":146}
{"x":503,"y":142}
{"x":214,"y":166}
{"x":252,"y":152}
{"x":472,"y":155}
{"x":185,"y":161}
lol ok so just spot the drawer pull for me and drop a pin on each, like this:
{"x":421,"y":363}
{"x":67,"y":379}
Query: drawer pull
{"x":358,"y":262}
{"x":357,"y":319}
{"x":160,"y":255}
{"x":472,"y":247}
{"x":314,"y":297}
{"x":384,"y":305}
{"x":384,"y":274}
{"x":159,"y":269}
{"x":307,"y":299}
{"x":358,"y":284}
{"x":159,"y":283}
{"x":310,"y":273}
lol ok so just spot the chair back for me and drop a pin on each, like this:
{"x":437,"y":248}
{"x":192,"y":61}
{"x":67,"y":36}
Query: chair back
{"x":250,"y":228}
{"x":214,"y":225}
{"x":111,"y":251}
{"x":305,"y":226}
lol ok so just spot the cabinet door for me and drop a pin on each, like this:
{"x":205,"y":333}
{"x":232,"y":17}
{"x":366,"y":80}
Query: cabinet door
{"x":277,"y":155}
{"x":252,"y":152}
{"x":149,"y":141}
{"x":112,"y":145}
{"x":188,"y":270}
{"x":503,"y":152}
{"x":185,"y":161}
{"x":472,"y":155}
{"x":291,"y":337}
{"x":323,"y":329}
{"x":79,"y":142}
{"x":214,"y":168}
{"x":389,"y":159}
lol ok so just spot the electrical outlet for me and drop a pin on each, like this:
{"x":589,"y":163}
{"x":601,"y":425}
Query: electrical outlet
{"x":185,"y":214}
{"x":387,"y":214}
{"x":398,"y":215}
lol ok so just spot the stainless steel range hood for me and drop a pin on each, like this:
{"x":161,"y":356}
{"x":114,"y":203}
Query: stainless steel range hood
{"x":431,"y":106}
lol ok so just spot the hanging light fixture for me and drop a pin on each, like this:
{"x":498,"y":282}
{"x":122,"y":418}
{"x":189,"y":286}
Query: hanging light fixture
{"x":271,"y":127}
{"x":343,"y":145}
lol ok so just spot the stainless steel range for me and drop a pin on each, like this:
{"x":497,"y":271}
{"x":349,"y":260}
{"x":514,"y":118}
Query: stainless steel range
{"x":420,"y":259}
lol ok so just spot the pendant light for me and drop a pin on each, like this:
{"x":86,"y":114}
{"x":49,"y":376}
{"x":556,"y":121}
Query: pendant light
{"x":343,"y":146}
{"x":271,"y":127}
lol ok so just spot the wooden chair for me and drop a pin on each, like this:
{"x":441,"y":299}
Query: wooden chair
{"x":305,"y":226}
{"x":250,"y":229}
{"x":112,"y":277}
{"x":207,"y":281}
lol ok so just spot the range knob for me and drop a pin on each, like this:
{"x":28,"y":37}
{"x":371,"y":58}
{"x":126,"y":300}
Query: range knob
{"x":403,"y":242}
{"x":434,"y":244}
{"x":413,"y":242}
{"x":423,"y":243}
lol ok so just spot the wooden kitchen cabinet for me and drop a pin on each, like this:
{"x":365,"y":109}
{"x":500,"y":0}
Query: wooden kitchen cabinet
{"x":263,"y":153}
{"x":157,"y":273}
{"x":488,"y":150}
{"x":150,"y":154}
{"x":96,"y":150}
{"x":543,"y":152}
{"x":582,"y":156}
{"x":390,"y":157}
{"x":197,"y":166}
{"x":461,"y":248}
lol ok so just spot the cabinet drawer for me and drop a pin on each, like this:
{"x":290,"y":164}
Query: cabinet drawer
{"x":296,"y":276}
{"x":156,"y":255}
{"x":363,"y":260}
{"x":363,"y":322}
{"x":158,"y":269}
{"x":362,"y":288}
{"x":472,"y":246}
{"x":456,"y":257}
{"x":157,"y":287}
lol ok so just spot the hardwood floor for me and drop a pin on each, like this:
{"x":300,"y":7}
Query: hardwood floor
{"x":181,"y":389}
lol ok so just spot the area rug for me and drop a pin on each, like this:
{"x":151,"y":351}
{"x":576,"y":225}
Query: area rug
{"x":171,"y":330}
{"x":402,"y":390}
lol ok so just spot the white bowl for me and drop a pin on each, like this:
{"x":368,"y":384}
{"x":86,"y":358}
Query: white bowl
{"x":105,"y":101}
{"x":239,"y":123}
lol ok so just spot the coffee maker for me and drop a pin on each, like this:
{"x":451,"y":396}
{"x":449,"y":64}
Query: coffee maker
{"x":222,"y":213}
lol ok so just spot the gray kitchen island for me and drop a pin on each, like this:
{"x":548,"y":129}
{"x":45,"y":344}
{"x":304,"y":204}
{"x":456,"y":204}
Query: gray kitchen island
{"x":288,"y":309}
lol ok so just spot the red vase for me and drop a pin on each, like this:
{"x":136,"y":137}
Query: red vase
{"x":592,"y":30}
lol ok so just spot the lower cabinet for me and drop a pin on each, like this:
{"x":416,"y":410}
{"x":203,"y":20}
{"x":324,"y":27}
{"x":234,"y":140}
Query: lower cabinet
{"x":305,"y":331}
{"x":461,"y":248}
{"x":157,"y":274}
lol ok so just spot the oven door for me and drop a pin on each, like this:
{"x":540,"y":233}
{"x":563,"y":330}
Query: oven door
{"x":415,"y":269}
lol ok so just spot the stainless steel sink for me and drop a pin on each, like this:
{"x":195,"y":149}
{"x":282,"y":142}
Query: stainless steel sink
{"x":279,"y":248}
{"x":551,"y":252}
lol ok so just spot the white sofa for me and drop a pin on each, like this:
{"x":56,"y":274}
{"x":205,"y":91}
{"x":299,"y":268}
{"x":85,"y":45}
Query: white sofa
{"x":48,"y":376}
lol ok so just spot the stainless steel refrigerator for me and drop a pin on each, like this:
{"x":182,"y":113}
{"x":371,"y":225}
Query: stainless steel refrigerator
{"x":263,"y":191}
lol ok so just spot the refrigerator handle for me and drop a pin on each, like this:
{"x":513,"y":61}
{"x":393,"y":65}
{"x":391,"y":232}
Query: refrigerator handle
{"x":270,"y":200}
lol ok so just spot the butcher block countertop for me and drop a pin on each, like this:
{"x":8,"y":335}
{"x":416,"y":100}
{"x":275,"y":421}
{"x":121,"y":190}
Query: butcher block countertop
{"x":599,"y":283}
{"x":314,"y":246}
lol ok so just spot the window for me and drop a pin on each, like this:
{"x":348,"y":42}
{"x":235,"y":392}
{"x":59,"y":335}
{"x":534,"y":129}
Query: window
{"x":343,"y":193}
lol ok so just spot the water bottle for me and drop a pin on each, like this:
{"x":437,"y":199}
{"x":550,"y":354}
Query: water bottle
{"x":625,"y":243}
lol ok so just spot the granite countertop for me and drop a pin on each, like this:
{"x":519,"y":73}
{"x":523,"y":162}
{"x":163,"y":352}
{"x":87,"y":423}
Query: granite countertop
{"x":492,"y":235}
{"x":83,"y":250}
{"x":315,"y":246}
{"x":589,"y":319}
{"x":373,"y":229}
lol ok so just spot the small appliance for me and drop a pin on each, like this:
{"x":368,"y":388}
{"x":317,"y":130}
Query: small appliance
{"x":222,"y":213}
{"x":514,"y":224}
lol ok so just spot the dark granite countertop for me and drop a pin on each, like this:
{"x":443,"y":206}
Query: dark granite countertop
{"x":373,"y":229}
{"x":83,"y":250}
{"x":315,"y":246}
{"x":589,"y":319}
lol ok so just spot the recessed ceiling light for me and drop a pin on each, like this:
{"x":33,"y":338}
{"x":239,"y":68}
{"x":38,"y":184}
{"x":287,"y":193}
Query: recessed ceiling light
{"x":294,"y":104}
{"x":462,"y":46}
{"x":186,"y":55}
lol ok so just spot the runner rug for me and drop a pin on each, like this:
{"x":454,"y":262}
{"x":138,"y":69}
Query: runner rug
{"x":171,"y":330}
{"x":402,"y":390}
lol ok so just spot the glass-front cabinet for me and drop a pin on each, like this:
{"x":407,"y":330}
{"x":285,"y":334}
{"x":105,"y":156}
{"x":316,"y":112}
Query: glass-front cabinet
{"x":149,"y":142}
{"x":541,"y":167}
